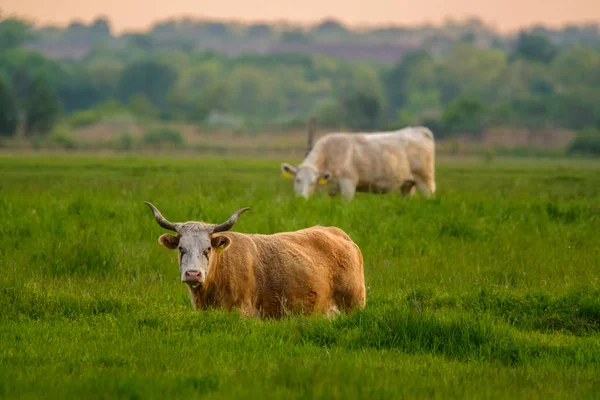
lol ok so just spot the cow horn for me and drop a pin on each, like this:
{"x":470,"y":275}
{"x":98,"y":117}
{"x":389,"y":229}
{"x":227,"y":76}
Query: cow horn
{"x":162,"y":221}
{"x":227,"y":225}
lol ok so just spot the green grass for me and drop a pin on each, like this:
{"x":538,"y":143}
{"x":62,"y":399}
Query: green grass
{"x":489,"y":290}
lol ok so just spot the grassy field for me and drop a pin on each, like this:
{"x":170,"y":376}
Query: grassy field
{"x":490,"y":290}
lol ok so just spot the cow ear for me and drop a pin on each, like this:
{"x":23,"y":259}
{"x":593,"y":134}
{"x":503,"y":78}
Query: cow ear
{"x":169,"y":241}
{"x":220,"y":243}
{"x":288,"y":170}
{"x":324,"y":178}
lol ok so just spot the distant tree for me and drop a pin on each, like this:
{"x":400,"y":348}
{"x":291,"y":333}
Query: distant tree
{"x":363,"y":110}
{"x":259,"y":31}
{"x":330,"y":26}
{"x":202,"y":75}
{"x":100,"y":28}
{"x":14,"y":33}
{"x":144,"y":42}
{"x":164,"y":29}
{"x":575,"y":111}
{"x":534,"y":47}
{"x":541,"y":86}
{"x":255,"y":92}
{"x":140,"y":106}
{"x":575,"y":74}
{"x":104,"y":74}
{"x":79,"y":92}
{"x":398,"y":79}
{"x":464,"y":115}
{"x":218,"y":29}
{"x":41,"y":107}
{"x":150,"y":78}
{"x":8,"y":109}
{"x":532,"y":111}
{"x":76,"y":33}
{"x":296,"y":36}
{"x":76,"y":27}
{"x":329,"y":113}
{"x":587,"y":142}
{"x":468,"y":37}
{"x":471,"y":71}
{"x":578,"y":67}
{"x":20,"y":66}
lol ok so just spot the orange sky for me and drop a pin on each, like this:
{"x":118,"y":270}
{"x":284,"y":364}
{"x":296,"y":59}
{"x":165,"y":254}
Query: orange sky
{"x":506,"y":15}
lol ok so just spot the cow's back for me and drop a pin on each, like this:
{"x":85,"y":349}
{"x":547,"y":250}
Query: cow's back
{"x":301,"y":271}
{"x":376,"y":161}
{"x":331,"y":152}
{"x":333,"y":265}
{"x":386,"y":160}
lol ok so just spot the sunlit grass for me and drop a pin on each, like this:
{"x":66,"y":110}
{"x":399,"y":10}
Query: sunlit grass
{"x":491,"y":289}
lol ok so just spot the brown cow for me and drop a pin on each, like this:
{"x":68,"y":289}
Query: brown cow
{"x":318,"y":269}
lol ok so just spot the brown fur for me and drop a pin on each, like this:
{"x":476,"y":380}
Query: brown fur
{"x":318,"y":269}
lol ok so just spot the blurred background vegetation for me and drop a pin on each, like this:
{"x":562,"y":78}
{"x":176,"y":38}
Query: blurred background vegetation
{"x":194,"y":84}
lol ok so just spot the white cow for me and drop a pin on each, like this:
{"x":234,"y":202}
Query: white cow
{"x":380,"y":162}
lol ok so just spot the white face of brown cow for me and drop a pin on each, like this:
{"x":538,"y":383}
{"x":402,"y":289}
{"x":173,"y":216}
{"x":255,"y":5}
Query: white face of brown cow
{"x":196,"y":243}
{"x":305,"y":178}
{"x":195,"y":246}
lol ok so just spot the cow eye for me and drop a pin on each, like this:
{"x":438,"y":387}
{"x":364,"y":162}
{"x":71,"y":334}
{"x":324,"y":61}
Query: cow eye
{"x":207,"y":252}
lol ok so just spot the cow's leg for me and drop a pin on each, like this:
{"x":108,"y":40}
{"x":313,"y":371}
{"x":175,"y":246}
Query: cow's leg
{"x":247,"y":309}
{"x":333,"y":311}
{"x":347,"y":188}
{"x":426,"y":186}
{"x":408,"y":188}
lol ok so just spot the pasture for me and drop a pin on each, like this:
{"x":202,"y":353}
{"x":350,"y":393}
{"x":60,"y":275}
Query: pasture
{"x":489,"y":290}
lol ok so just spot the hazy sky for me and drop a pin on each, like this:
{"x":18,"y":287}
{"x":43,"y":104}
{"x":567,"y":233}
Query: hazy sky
{"x":135,"y":14}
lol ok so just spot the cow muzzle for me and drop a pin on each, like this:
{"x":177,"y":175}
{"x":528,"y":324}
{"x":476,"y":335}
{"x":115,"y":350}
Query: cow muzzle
{"x":304,"y":194}
{"x":192,"y":277}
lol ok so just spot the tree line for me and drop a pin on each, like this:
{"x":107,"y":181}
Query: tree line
{"x":536,"y":80}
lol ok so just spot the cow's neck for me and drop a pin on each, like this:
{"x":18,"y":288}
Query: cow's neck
{"x":206,"y":295}
{"x":313,"y":160}
{"x":215,"y":292}
{"x":196,"y":297}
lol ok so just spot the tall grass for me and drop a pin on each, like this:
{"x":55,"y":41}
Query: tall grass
{"x":489,"y":290}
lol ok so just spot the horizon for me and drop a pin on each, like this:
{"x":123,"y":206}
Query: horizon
{"x":127,"y":17}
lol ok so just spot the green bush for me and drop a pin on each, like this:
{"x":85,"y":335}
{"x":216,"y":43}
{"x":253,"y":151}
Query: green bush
{"x":586,"y":143}
{"x":37,"y":142}
{"x":164,"y":136}
{"x":126,"y":142}
{"x":81,"y":119}
{"x":62,"y":139}
{"x":8,"y":109}
{"x":464,"y":115}
{"x":329,"y":113}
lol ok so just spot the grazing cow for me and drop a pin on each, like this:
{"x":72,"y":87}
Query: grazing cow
{"x":368,"y":162}
{"x":318,"y":269}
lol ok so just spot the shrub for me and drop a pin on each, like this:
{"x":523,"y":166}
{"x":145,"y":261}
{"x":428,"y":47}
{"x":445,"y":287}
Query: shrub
{"x":329,"y":113}
{"x":81,"y":119}
{"x":8,"y":109}
{"x":62,"y":139}
{"x":464,"y":115}
{"x":164,"y":136}
{"x":585,"y":143}
{"x":126,"y":142}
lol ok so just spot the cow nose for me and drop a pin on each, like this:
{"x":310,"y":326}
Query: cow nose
{"x":192,"y":276}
